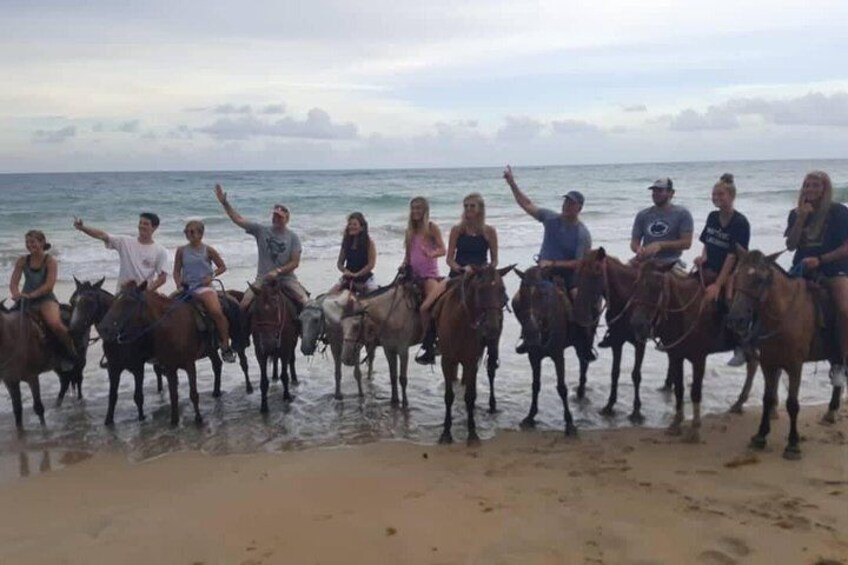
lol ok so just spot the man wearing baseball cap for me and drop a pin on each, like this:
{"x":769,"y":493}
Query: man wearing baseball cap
{"x":278,"y":248}
{"x":663,"y":231}
{"x":565,"y":241}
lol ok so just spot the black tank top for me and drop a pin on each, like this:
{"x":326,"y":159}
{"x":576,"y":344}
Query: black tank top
{"x":471,"y":250}
{"x":356,"y":258}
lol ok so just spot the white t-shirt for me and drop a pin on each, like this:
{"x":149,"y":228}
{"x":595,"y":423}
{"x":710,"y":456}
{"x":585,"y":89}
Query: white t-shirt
{"x":139,"y":262}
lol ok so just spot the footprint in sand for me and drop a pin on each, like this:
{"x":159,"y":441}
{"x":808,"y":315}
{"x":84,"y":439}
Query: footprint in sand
{"x":735,"y":546}
{"x":715,"y":557}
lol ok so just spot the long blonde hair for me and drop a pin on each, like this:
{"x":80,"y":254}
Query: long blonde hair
{"x":475,"y":198}
{"x":813,"y":231}
{"x":412,"y":227}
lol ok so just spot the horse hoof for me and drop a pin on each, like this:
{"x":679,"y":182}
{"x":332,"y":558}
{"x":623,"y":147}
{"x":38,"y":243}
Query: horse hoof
{"x":528,"y":423}
{"x":829,"y":417}
{"x":736,"y":409}
{"x":108,"y":423}
{"x":288,"y":398}
{"x":757,"y":442}
{"x":248,"y":390}
{"x":263,"y":409}
{"x":674,"y":430}
{"x":636,"y":418}
{"x":473,"y":441}
{"x":142,"y":417}
{"x":394,"y":402}
{"x":792,"y":453}
{"x":216,"y":394}
{"x":338,"y":396}
{"x":570,"y":430}
{"x":607,"y":410}
{"x":668,"y":389}
{"x":175,"y":422}
{"x":446,"y":438}
{"x":692,"y":436}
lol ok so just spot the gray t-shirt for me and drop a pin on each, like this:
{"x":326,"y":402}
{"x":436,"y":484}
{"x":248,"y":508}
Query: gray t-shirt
{"x":275,"y":248}
{"x":562,"y":241}
{"x":662,"y":224}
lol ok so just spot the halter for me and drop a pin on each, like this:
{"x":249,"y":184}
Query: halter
{"x":278,"y":298}
{"x":760,"y":295}
{"x":493,"y":303}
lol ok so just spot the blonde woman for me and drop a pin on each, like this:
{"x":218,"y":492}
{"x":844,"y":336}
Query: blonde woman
{"x":424,"y":245}
{"x":193,"y":270}
{"x":472,"y":242}
{"x":817,"y":231}
{"x":39,"y":271}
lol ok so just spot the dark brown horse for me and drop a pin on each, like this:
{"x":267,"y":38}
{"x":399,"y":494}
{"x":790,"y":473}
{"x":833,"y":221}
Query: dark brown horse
{"x":785,"y":317}
{"x":469,"y":320}
{"x":544,"y":312}
{"x":671,"y":308}
{"x":148,"y":325}
{"x":24,"y":355}
{"x":273,"y":323}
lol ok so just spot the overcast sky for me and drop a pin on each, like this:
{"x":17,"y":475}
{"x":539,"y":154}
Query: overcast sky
{"x":178,"y":84}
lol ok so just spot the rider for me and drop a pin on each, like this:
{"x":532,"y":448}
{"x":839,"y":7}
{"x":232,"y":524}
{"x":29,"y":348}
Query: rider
{"x":423,"y":245}
{"x":39,"y":271}
{"x":817,"y":230}
{"x":193,"y":271}
{"x":725,"y":229}
{"x":472,"y":242}
{"x":357,"y":256}
{"x":278,"y":248}
{"x":663,"y":231}
{"x":565,"y":242}
{"x":142,"y":259}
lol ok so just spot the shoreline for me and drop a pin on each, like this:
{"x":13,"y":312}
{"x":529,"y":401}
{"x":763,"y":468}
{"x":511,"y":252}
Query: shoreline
{"x":630,"y":495}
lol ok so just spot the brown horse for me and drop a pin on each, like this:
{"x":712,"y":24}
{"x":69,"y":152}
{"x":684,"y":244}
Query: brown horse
{"x":155,"y":327}
{"x":784,"y":317}
{"x":273,"y":324}
{"x":469,"y":320}
{"x":545,"y":317}
{"x":672,"y":309}
{"x":24,"y":355}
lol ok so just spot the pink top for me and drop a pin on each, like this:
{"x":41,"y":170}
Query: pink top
{"x":422,"y":266}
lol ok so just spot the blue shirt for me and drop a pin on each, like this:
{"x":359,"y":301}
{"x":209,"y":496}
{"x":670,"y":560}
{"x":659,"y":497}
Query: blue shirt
{"x":563,"y":241}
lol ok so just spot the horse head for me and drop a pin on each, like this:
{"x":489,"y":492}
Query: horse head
{"x":750,"y":285}
{"x":590,"y":278}
{"x":312,"y":324}
{"x":89,"y":304}
{"x":649,"y":299}
{"x":358,"y":329}
{"x":124,"y":320}
{"x":484,"y":297}
{"x":538,"y":307}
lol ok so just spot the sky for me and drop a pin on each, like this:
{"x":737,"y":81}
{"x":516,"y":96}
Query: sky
{"x":107,"y":85}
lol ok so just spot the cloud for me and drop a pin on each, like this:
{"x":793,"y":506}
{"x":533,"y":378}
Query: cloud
{"x":97,"y":128}
{"x":566,"y":127}
{"x":182,"y":131}
{"x":813,"y":109}
{"x":54,"y":136}
{"x":636,"y":109}
{"x":715,"y":118}
{"x":519,"y":128}
{"x":232,"y":109}
{"x":274,"y":109}
{"x":317,"y":125}
{"x":131,"y":126}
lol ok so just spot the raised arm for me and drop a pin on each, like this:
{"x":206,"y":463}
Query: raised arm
{"x":91,"y":232}
{"x":228,"y":208}
{"x":521,"y":198}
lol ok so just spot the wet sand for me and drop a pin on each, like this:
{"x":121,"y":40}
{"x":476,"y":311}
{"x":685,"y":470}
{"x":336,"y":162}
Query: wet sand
{"x":610,"y":496}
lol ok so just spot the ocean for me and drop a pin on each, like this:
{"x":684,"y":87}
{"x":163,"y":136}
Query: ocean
{"x":320,"y":202}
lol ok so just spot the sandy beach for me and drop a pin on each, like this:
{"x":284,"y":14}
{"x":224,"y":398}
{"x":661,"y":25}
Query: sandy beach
{"x":617,"y":496}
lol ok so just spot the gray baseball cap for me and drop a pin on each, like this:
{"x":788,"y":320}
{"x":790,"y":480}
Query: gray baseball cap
{"x":663,"y":183}
{"x":575,"y":196}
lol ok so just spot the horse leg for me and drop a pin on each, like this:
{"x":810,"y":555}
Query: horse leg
{"x":191,"y":371}
{"x":293,"y":370}
{"x":171,"y":375}
{"x":404,"y":366}
{"x":771,"y":375}
{"x":492,"y":363}
{"x":668,"y":385}
{"x":14,"y":388}
{"x":636,"y":376}
{"x":114,"y":382}
{"x":469,"y":376}
{"x":335,"y":351}
{"x":138,"y":395}
{"x":792,"y":450}
{"x":392,"y":360}
{"x":37,"y":406}
{"x":263,"y":380}
{"x":562,"y":389}
{"x":449,"y":369}
{"x":675,"y":368}
{"x":216,"y":370}
{"x":275,"y":376}
{"x":698,"y":367}
{"x":833,"y":406}
{"x":64,"y":385}
{"x":581,"y":386}
{"x":609,"y":409}
{"x":158,"y":370}
{"x":248,"y":387}
{"x":371,"y":349}
{"x":536,"y":367}
{"x":77,"y":381}
{"x":284,"y":376}
{"x":750,"y":372}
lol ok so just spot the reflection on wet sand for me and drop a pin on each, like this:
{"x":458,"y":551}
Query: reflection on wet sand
{"x":26,"y":463}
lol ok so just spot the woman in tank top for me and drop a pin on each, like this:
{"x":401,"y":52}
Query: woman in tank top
{"x":193,"y":272}
{"x":357,"y":256}
{"x":472,"y":242}
{"x":39,"y":271}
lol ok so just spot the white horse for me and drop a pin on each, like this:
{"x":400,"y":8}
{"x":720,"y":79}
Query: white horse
{"x":321,"y":321}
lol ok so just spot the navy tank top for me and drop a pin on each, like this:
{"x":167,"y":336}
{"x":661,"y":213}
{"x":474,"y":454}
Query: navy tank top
{"x":471,"y":250}
{"x":356,"y":258}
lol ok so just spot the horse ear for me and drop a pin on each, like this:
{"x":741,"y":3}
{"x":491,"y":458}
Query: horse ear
{"x":256,"y":290}
{"x":773,"y":257}
{"x":601,"y":254}
{"x":519,"y":272}
{"x":503,"y":272}
{"x":77,"y":282}
{"x":99,"y":284}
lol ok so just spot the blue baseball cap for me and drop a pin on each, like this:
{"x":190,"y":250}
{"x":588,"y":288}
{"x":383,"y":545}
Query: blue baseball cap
{"x":575,"y":196}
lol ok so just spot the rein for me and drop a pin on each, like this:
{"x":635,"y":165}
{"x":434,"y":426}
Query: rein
{"x":761,"y":298}
{"x":179,"y":300}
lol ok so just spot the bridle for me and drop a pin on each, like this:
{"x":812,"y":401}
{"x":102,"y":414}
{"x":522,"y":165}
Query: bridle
{"x":492,"y":300}
{"x":662,"y":309}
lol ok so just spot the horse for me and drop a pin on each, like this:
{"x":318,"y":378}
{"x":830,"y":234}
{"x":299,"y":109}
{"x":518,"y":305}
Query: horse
{"x":783,"y":316}
{"x":545,"y":317}
{"x":24,"y":355}
{"x":320,"y":320}
{"x":388,"y":317}
{"x":672,"y":309}
{"x":273,"y":324}
{"x":147,"y":325}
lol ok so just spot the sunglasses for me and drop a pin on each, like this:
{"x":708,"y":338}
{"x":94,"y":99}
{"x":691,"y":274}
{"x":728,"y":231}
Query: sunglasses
{"x":469,"y":206}
{"x":191,"y":231}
